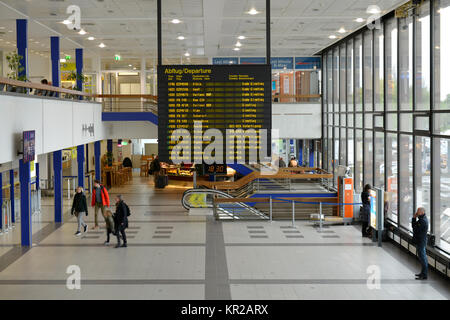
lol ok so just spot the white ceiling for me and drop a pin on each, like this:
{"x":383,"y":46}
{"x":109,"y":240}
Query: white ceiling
{"x":128,"y":27}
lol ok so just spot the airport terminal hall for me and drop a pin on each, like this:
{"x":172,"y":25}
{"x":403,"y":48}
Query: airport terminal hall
{"x":226,"y":157}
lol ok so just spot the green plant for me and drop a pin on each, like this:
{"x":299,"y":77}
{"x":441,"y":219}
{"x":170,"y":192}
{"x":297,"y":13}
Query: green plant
{"x":14,"y":63}
{"x":73,"y":76}
{"x":109,"y":158}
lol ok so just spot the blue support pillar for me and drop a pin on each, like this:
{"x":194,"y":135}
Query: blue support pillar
{"x":25,"y":205}
{"x":1,"y":200}
{"x":79,"y":66}
{"x":11,"y":192}
{"x":300,"y":152}
{"x":97,"y":151}
{"x":109,"y":145}
{"x":311,"y":154}
{"x":54,"y":43}
{"x":57,"y":171}
{"x":80,"y":161}
{"x":22,"y":45}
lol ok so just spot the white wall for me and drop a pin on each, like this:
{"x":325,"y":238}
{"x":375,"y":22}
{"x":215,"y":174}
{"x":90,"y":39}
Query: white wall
{"x":297,"y":121}
{"x":132,"y":130}
{"x":58,"y":123}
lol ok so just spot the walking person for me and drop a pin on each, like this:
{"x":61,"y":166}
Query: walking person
{"x":110,"y":226}
{"x":121,"y":220}
{"x":100,"y":200}
{"x":155,"y":168}
{"x":365,"y":210}
{"x":79,"y":208}
{"x":420,"y":228}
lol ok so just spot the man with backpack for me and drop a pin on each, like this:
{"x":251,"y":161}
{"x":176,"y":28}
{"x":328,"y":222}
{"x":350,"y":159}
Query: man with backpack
{"x":121,"y":220}
{"x":100,"y":200}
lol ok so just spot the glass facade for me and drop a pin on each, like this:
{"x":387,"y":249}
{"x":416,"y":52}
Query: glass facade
{"x":387,"y":113}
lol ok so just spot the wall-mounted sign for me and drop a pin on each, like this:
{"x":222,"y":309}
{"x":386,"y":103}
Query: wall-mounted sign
{"x":29,"y":142}
{"x":282,"y":63}
{"x":307,"y":63}
{"x":225,"y":61}
{"x":253,"y":60}
{"x":87,"y":130}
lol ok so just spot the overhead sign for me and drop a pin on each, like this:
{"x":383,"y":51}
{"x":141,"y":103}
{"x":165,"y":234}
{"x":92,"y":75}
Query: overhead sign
{"x":29,"y":142}
{"x":282,"y":63}
{"x":221,"y":97}
{"x":252,"y":60}
{"x":225,"y":61}
{"x":306,"y":63}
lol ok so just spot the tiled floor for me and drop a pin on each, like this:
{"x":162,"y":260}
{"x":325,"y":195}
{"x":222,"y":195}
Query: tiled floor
{"x":172,"y":255}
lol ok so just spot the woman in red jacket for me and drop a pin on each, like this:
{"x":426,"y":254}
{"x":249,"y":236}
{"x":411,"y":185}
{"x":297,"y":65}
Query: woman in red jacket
{"x":100,"y":200}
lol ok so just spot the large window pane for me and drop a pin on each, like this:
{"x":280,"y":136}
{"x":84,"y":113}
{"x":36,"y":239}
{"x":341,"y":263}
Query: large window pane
{"x":358,"y":74}
{"x":441,"y":54}
{"x":359,"y":161}
{"x":423,"y":58}
{"x":406,"y":181}
{"x":330,"y":82}
{"x":342,"y":148}
{"x":336,"y":80}
{"x":368,"y":96}
{"x":368,"y":157}
{"x":391,"y":64}
{"x":441,"y":185}
{"x":379,"y":160}
{"x":392,"y":176}
{"x":422,"y":172}
{"x":343,"y":79}
{"x":406,"y":63}
{"x":350,"y":75}
{"x":378,"y":43}
{"x":350,"y":151}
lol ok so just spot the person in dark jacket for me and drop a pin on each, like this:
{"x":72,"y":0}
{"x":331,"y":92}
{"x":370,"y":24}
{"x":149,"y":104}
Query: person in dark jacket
{"x":79,"y":208}
{"x":155,"y":168}
{"x":281,"y":163}
{"x":365,"y":212}
{"x":121,"y":220}
{"x":420,"y":228}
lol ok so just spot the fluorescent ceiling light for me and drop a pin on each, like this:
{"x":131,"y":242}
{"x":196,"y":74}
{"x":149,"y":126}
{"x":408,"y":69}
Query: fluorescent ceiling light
{"x":62,"y":60}
{"x":253,"y":11}
{"x":82,"y":32}
{"x":175,"y":21}
{"x":128,"y":73}
{"x":236,"y":49}
{"x":130,"y":65}
{"x":241,"y":37}
{"x":238,"y":44}
{"x":359,"y":20}
{"x":342,"y":30}
{"x":102,"y":45}
{"x":332,"y":36}
{"x":91,"y":38}
{"x":180,"y":38}
{"x":187,"y":54}
{"x":373,"y":9}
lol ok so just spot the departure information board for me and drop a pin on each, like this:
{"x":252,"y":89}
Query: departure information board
{"x":220,"y":96}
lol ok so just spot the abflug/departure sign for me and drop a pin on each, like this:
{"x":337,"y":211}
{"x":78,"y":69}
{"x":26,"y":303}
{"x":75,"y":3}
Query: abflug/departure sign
{"x":222,"y":97}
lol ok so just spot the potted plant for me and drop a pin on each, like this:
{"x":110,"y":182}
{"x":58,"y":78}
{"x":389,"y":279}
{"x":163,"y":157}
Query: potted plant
{"x":14,"y":64}
{"x":109,"y":158}
{"x":73,"y":76}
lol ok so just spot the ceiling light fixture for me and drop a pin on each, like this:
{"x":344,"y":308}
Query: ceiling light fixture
{"x":342,"y":30}
{"x":253,"y":11}
{"x":102,"y":45}
{"x":359,"y":20}
{"x":187,"y":54}
{"x":66,"y":22}
{"x":238,"y":44}
{"x":175,"y":21}
{"x":373,"y":9}
{"x":82,"y":32}
{"x":236,"y":49}
{"x":332,"y":36}
{"x":62,"y":60}
{"x":180,"y":38}
{"x":91,"y":38}
{"x":241,"y":37}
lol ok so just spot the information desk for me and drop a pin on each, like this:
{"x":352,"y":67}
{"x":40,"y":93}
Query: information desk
{"x":221,"y":97}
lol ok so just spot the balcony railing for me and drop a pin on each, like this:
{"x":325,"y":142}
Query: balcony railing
{"x":129,"y":103}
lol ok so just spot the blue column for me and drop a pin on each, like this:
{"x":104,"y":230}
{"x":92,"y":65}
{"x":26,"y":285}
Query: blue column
{"x":79,"y":66}
{"x":11,"y":192}
{"x":300,"y":152}
{"x":311,"y":154}
{"x":22,"y":45}
{"x":37,"y":176}
{"x":1,"y":200}
{"x":57,"y":171}
{"x":25,"y":205}
{"x":80,"y":160}
{"x":97,"y":150}
{"x":54,"y":43}
{"x":109,"y":145}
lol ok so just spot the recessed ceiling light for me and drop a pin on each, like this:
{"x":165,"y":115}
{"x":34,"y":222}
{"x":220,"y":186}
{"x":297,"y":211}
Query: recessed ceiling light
{"x":342,"y":30}
{"x":359,"y":20}
{"x":332,"y":36}
{"x":236,"y":49}
{"x":2,"y":28}
{"x":180,"y":38}
{"x":82,"y":32}
{"x":102,"y":45}
{"x":238,"y":44}
{"x":253,"y":11}
{"x":187,"y":54}
{"x":175,"y":21}
{"x":373,"y":9}
{"x":241,"y":37}
{"x":66,"y":22}
{"x":91,"y":38}
{"x":130,"y":65}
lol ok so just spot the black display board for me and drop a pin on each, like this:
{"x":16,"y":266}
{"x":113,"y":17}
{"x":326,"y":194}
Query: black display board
{"x":221,"y":96}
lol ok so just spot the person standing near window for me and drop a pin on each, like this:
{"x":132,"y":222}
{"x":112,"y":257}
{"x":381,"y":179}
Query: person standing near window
{"x":365,"y":210}
{"x":420,"y":228}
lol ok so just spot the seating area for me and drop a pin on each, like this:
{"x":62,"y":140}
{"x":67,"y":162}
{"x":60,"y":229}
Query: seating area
{"x":116,"y":175}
